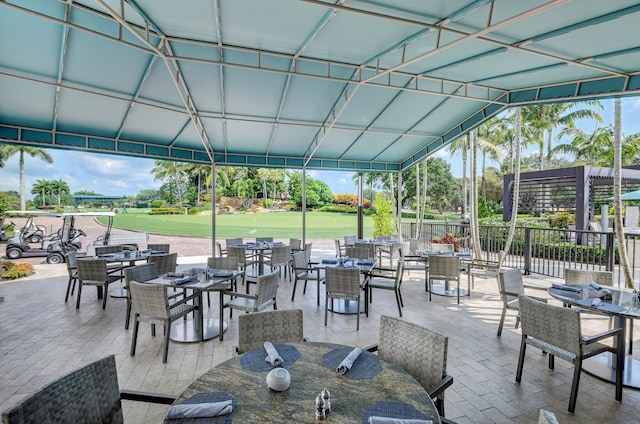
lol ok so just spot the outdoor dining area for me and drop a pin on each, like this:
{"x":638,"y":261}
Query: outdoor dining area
{"x":446,"y":346}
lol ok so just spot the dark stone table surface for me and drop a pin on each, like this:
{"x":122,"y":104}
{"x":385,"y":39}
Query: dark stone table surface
{"x":350,"y":398}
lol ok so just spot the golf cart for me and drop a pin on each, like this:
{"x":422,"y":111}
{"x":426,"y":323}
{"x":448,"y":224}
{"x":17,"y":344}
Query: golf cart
{"x":53,"y":246}
{"x":131,"y":240}
{"x":31,"y":232}
{"x":4,"y":227}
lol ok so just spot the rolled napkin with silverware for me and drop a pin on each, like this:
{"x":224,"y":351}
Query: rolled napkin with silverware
{"x":200,"y":410}
{"x":273,"y":357}
{"x":347,"y":362}
{"x":186,"y":280}
{"x":389,"y":420}
{"x":567,"y":287}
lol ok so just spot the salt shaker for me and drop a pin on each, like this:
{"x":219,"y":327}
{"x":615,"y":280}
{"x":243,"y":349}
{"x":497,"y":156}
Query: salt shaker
{"x":326,"y":397}
{"x":320,"y":408}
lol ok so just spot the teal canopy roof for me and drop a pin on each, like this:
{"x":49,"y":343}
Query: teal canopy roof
{"x":349,"y":84}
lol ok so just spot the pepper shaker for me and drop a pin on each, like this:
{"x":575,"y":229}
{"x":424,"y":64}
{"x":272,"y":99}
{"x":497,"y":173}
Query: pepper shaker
{"x":320,"y":415}
{"x":326,"y":397}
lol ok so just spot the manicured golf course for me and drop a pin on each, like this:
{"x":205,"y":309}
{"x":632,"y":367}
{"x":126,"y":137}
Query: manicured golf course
{"x":320,"y":225}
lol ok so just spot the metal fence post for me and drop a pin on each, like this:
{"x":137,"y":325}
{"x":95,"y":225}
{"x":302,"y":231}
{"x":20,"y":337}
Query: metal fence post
{"x":527,"y":250}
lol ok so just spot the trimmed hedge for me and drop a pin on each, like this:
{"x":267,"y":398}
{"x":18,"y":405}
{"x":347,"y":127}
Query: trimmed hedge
{"x":166,"y":211}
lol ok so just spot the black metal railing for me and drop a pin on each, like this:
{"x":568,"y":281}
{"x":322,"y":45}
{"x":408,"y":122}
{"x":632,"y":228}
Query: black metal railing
{"x":545,"y":251}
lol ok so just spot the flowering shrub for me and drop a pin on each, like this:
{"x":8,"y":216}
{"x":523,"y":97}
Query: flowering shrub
{"x":449,"y":239}
{"x":11,"y":271}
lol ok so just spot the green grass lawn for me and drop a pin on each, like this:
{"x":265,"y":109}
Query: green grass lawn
{"x":320,"y":225}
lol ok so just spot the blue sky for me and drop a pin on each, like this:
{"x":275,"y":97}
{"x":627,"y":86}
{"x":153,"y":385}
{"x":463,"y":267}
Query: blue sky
{"x":120,"y":175}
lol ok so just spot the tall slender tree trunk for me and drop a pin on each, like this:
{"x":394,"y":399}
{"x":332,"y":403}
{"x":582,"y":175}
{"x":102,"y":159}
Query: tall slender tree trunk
{"x":465,"y":194}
{"x":23,"y":203}
{"x":419,"y":212}
{"x":424,"y":195}
{"x":617,"y":193}
{"x":473,"y":203}
{"x":516,"y":192}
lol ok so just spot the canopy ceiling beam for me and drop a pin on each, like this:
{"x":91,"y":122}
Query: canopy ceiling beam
{"x":518,"y":46}
{"x":63,"y":51}
{"x":172,"y":66}
{"x":223,"y":103}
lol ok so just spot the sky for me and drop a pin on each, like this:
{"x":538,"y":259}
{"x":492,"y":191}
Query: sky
{"x":115,"y":175}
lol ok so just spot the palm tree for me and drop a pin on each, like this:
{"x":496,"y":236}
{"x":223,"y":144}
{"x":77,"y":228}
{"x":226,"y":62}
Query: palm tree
{"x":59,"y":187}
{"x":171,"y":171}
{"x":617,"y":188}
{"x":10,"y":150}
{"x":462,"y":145}
{"x":42,"y":188}
{"x":543,"y":119}
{"x":597,"y":148}
{"x":491,"y":134}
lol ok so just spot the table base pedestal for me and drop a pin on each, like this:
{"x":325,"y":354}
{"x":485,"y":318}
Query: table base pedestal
{"x":341,"y":306}
{"x":450,"y":291}
{"x":186,"y":332}
{"x":118,"y":293}
{"x":600,"y":366}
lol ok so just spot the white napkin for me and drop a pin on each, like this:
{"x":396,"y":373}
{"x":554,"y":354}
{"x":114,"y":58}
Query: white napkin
{"x":273,"y":357}
{"x":200,"y":410}
{"x":388,"y":420}
{"x":347,"y":362}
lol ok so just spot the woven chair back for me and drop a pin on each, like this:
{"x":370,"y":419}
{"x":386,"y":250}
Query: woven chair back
{"x":342,"y":282}
{"x":92,"y":270}
{"x":370,"y":247}
{"x":71,"y":261}
{"x":551,"y":324}
{"x":280,"y":255}
{"x":295,"y":243}
{"x":238,"y":252}
{"x":419,"y":351}
{"x":150,"y":300}
{"x":104,"y":250}
{"x":264,"y":239}
{"x":585,"y":276}
{"x":87,"y":395}
{"x":510,"y":281}
{"x":165,"y":263}
{"x":444,"y":266}
{"x":269,"y":326}
{"x":266,"y":290}
{"x":141,"y":273}
{"x":350,"y":240}
{"x":160,"y":247}
{"x":357,"y":252}
{"x":226,"y":263}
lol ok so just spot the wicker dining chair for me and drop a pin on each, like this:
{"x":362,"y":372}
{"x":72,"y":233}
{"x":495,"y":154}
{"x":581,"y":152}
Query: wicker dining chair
{"x":603,"y":278}
{"x":72,"y":271}
{"x":295,"y":244}
{"x":159,"y":247}
{"x":511,"y":286}
{"x":227,"y":263}
{"x":419,"y":351}
{"x":150,"y":303}
{"x":350,"y":241}
{"x":340,"y":252}
{"x":264,"y":297}
{"x":370,"y":247}
{"x":94,"y":272}
{"x":441,"y":247}
{"x":557,"y":331}
{"x":270,"y":326}
{"x":244,"y":260}
{"x":139,"y":273}
{"x":388,"y":279}
{"x":345,"y":284}
{"x":105,"y":250}
{"x":280,"y":259}
{"x":87,"y":395}
{"x":165,"y":262}
{"x":357,"y":253}
{"x":444,"y":268}
{"x":302,"y":271}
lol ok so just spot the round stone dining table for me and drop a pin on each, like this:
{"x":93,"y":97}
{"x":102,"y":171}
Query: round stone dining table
{"x":376,"y":387}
